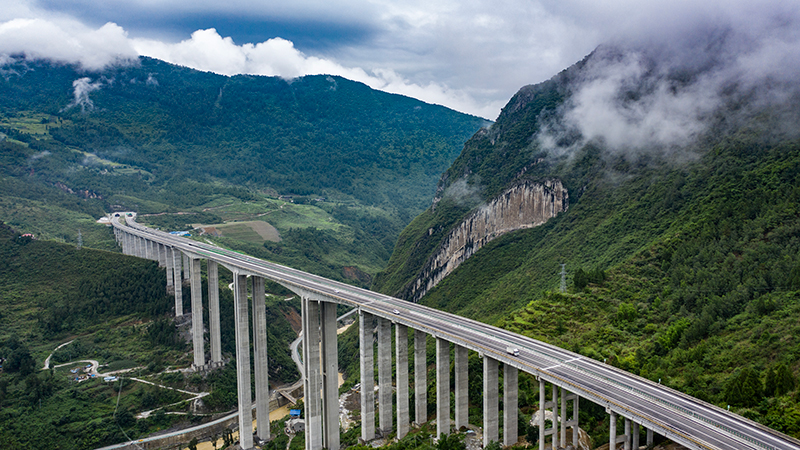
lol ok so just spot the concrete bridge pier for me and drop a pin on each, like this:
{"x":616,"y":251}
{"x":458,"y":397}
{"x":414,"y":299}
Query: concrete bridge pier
{"x":168,"y":260}
{"x":401,"y":373}
{"x":385,"y":393}
{"x":544,"y":405}
{"x":197,"y":314}
{"x":312,"y":379}
{"x":613,"y":438}
{"x":555,"y":428}
{"x":330,"y":377}
{"x":573,"y":422}
{"x":461,"y":355}
{"x":150,"y":249}
{"x":261,"y":368}
{"x":420,"y":377}
{"x":490,"y":395}
{"x":213,"y":311}
{"x":178,"y":282}
{"x":442,"y":387}
{"x":366,"y":356}
{"x":510,"y":405}
{"x":243,"y":361}
{"x":186,"y":272}
{"x":162,"y":255}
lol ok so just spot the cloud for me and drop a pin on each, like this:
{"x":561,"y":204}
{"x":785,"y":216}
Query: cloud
{"x":207,"y":50}
{"x":82,"y":88}
{"x":66,"y":42}
{"x":470,"y":55}
{"x":659,"y":92}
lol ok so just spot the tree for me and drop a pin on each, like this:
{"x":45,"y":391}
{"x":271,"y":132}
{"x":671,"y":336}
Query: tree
{"x":193,"y":444}
{"x":743,"y":388}
{"x":779,"y":380}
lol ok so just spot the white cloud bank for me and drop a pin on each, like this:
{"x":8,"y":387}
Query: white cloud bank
{"x":66,"y":42}
{"x":207,"y":50}
{"x":469,"y":55}
{"x":93,"y":49}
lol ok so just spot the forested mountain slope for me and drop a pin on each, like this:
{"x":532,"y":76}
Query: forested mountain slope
{"x":351,"y":165}
{"x":682,"y":256}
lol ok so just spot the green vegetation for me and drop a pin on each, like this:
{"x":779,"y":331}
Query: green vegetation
{"x":113,"y":309}
{"x":173,"y":140}
{"x":688,"y":272}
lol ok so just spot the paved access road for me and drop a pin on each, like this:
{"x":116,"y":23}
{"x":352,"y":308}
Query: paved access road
{"x":680,"y":417}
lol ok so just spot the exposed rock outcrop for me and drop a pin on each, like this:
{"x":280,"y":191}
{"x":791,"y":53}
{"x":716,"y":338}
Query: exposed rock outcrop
{"x":526,"y":204}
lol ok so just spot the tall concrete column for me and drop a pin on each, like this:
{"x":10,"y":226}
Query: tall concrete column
{"x":139,"y":247}
{"x":555,"y":416}
{"x":563,"y":417}
{"x":176,"y":265}
{"x":510,"y":405}
{"x":575,"y":416}
{"x":635,"y":436}
{"x":243,"y":361}
{"x":161,"y":255}
{"x":213,"y":311}
{"x":649,"y":441}
{"x":366,"y":350}
{"x":442,"y":387}
{"x":401,"y":374}
{"x":573,"y":422}
{"x":420,"y":377}
{"x":330,"y":375}
{"x":612,"y":431}
{"x":627,"y":444}
{"x":313,"y":379}
{"x":260,"y":368}
{"x":542,"y":403}
{"x":197,"y":314}
{"x":461,"y":387}
{"x":170,"y":268}
{"x":384,"y":376}
{"x":490,"y":397}
{"x":186,"y":274}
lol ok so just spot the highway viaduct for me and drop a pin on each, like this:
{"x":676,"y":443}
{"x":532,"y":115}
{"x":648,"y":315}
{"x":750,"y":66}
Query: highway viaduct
{"x":565,"y":375}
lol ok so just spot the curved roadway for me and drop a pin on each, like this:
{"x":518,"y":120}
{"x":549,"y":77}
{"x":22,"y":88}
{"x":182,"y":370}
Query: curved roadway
{"x":678,"y":416}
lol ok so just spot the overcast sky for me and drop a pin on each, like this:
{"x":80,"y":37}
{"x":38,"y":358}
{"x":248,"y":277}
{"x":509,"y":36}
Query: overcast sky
{"x":470,"y":55}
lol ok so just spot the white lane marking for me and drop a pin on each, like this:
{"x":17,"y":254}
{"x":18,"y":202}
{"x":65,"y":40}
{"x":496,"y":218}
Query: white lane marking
{"x":569,"y":360}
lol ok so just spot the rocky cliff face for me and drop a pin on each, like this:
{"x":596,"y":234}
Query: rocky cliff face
{"x":526,"y":204}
